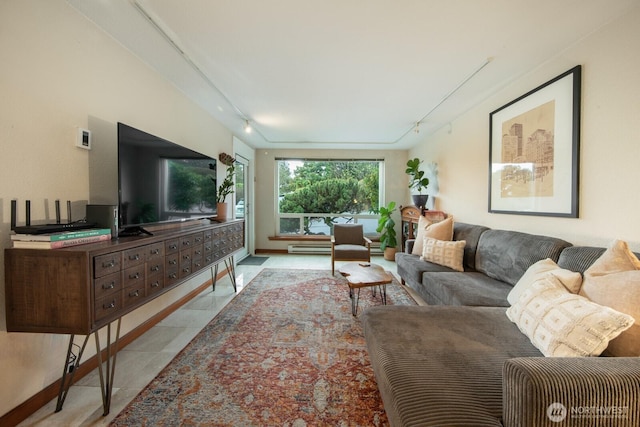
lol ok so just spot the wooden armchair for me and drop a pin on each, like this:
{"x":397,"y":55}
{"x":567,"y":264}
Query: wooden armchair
{"x":348,"y":243}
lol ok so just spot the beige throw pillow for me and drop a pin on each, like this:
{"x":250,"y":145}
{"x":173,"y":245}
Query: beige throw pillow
{"x":563,"y":324}
{"x":442,"y":230}
{"x":448,"y":254}
{"x":614,"y":280}
{"x":570,"y":279}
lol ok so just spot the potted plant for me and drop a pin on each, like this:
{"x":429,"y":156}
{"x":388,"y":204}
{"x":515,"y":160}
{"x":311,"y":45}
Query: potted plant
{"x":225,"y":188}
{"x":418,"y":182}
{"x":386,"y":228}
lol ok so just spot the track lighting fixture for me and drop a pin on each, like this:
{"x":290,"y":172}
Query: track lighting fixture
{"x":247,"y":126}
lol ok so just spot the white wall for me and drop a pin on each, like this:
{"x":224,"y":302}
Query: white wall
{"x":60,"y":72}
{"x":610,"y":144}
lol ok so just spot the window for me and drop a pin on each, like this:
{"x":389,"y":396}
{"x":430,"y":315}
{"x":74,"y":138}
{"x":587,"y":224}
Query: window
{"x":315,"y":194}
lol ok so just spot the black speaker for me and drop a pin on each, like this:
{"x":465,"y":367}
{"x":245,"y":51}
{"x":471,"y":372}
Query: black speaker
{"x":104,"y":216}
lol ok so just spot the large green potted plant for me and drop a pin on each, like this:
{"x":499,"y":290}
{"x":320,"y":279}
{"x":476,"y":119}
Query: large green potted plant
{"x":386,"y":228}
{"x":418,"y":182}
{"x":225,"y":188}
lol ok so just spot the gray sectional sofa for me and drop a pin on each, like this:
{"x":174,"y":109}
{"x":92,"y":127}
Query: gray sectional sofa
{"x":459,"y":361}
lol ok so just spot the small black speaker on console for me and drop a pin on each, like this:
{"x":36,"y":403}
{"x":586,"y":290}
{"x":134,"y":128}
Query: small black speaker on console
{"x":104,"y":216}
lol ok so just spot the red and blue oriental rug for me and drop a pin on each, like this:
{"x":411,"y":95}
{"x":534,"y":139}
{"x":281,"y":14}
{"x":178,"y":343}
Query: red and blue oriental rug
{"x":286,"y":351}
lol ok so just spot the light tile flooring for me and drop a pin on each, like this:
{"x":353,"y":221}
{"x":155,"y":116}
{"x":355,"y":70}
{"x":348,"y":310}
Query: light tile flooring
{"x":139,"y":362}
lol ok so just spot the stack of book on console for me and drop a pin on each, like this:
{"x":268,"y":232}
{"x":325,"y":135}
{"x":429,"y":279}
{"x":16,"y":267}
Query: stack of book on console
{"x":60,"y":240}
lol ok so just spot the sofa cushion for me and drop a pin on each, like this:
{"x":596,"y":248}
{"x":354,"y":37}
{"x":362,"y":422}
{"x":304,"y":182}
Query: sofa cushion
{"x":448,"y":254}
{"x":614,"y":280}
{"x":441,"y":230}
{"x":570,"y":279}
{"x":506,"y":255}
{"x":410,"y":267}
{"x":469,"y":288}
{"x":471,"y":234}
{"x":433,"y":369}
{"x":563,"y":324}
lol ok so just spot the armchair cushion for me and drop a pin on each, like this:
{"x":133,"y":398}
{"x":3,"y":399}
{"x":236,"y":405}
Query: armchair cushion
{"x":348,"y":234}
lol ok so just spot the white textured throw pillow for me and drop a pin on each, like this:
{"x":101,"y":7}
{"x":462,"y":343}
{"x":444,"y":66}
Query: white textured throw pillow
{"x":570,"y":279}
{"x":563,"y":324}
{"x":448,"y":254}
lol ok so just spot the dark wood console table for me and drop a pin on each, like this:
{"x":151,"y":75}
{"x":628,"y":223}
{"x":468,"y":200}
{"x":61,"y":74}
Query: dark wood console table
{"x":81,"y":289}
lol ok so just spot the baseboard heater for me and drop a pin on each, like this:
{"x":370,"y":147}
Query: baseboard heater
{"x":319,"y":249}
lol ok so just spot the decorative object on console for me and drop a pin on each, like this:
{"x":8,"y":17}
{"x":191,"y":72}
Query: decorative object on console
{"x":534,"y":150}
{"x":225,"y":188}
{"x":386,"y":228}
{"x":418,"y":182}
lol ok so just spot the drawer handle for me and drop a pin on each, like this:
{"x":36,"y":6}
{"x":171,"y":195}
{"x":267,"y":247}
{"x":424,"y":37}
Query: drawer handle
{"x":134,"y":276}
{"x":186,"y":243}
{"x":185,"y":270}
{"x":173,"y":246}
{"x":109,"y":285}
{"x":198,"y":252}
{"x":173,"y":275}
{"x":108,"y":306}
{"x":198,"y":239}
{"x":186,"y":256}
{"x":155,"y":284}
{"x":135,"y":257}
{"x":198,"y":265}
{"x":173,"y":262}
{"x":135,"y":293}
{"x":109,"y":264}
{"x":155,"y":251}
{"x":155,"y":268}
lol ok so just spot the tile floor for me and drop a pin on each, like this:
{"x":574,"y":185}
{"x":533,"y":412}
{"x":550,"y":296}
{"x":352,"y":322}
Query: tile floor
{"x":139,"y":362}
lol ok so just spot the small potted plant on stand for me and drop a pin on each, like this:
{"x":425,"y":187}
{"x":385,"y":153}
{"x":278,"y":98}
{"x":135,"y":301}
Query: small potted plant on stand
{"x":225,"y":188}
{"x":418,"y":182}
{"x":386,"y":228}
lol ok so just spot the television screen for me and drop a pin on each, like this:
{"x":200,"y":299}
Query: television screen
{"x":160,"y":181}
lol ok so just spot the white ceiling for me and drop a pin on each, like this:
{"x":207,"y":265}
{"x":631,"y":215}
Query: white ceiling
{"x":345,"y":73}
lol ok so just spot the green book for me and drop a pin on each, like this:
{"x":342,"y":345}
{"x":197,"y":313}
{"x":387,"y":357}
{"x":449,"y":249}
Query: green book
{"x":64,"y":235}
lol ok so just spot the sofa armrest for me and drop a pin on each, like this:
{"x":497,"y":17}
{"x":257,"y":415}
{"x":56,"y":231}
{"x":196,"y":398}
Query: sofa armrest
{"x":586,"y":391}
{"x":408,"y":245}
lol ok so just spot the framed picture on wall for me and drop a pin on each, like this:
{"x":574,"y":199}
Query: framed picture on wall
{"x":534,"y":150}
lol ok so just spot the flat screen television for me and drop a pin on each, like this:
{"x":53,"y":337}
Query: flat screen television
{"x":161,"y":181}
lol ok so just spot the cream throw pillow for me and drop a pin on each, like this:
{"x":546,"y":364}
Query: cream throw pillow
{"x":570,"y":279}
{"x":442,"y":230}
{"x":448,"y":254}
{"x":563,"y":324}
{"x":614,"y":280}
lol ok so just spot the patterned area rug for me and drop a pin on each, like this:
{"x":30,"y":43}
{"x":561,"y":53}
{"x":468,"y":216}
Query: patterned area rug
{"x":286,"y":351}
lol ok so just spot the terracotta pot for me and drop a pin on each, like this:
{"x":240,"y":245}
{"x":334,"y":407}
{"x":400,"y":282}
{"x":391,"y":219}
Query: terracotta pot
{"x":390,"y":254}
{"x":221,"y":209}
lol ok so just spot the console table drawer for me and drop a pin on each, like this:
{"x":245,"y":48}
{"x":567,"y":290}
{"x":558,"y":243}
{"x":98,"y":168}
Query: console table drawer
{"x":155,"y":251}
{"x":133,"y":276}
{"x":108,"y":306}
{"x":107,"y":285}
{"x":133,"y":257}
{"x":172,"y":246}
{"x":107,"y":264}
{"x":134,"y":294}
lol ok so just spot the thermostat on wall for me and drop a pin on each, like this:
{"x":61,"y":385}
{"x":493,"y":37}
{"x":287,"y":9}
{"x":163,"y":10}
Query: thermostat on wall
{"x":84,"y":139}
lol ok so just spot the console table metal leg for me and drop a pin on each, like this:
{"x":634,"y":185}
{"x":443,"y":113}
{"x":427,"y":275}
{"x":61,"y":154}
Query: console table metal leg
{"x":64,"y":383}
{"x":231,"y":270}
{"x":106,"y":380}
